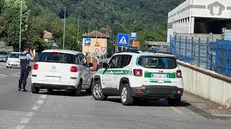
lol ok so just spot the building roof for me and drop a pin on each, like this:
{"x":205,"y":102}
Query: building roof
{"x":47,"y":35}
{"x":95,"y":34}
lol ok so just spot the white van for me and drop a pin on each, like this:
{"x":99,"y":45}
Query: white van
{"x":13,"y":60}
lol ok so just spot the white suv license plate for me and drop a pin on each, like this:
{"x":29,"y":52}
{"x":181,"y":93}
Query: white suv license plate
{"x":159,"y":75}
{"x":52,"y":78}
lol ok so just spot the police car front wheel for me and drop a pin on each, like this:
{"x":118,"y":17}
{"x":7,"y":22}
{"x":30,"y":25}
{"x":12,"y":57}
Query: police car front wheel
{"x":97,"y":91}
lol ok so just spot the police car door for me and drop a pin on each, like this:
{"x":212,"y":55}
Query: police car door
{"x":110,"y":77}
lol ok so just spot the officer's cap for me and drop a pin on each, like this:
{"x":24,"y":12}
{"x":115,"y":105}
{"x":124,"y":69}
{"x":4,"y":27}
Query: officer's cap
{"x":28,"y":47}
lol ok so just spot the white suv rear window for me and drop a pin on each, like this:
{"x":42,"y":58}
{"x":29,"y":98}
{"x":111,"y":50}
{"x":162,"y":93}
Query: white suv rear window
{"x":56,"y":57}
{"x":14,"y":55}
{"x":157,"y":62}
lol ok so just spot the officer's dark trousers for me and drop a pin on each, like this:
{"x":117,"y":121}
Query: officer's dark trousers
{"x":25,"y":69}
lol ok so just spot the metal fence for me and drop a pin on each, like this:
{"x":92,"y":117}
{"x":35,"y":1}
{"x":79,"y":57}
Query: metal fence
{"x":214,"y":56}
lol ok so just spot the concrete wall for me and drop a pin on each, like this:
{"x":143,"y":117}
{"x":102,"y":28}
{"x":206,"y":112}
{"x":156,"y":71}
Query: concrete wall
{"x":207,"y":84}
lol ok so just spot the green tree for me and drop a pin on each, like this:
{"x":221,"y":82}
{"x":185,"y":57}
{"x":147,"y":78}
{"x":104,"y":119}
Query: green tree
{"x":11,"y":15}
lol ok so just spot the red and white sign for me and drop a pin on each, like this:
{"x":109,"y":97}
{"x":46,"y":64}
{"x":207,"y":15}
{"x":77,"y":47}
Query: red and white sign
{"x":103,"y":50}
{"x":100,"y":50}
{"x":97,"y":50}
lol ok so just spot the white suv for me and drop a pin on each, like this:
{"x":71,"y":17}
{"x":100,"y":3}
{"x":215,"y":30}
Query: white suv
{"x":139,"y":76}
{"x":61,"y":69}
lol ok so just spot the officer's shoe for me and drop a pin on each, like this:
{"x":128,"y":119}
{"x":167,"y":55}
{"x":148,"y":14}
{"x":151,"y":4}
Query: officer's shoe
{"x":24,"y":90}
{"x":19,"y":89}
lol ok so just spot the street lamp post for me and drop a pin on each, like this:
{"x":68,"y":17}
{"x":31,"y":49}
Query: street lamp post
{"x":20,"y":33}
{"x":64,"y":28}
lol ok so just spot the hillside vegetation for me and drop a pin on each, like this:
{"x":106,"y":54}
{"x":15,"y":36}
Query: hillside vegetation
{"x":146,"y":17}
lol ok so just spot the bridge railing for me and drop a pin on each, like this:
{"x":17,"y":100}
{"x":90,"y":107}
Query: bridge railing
{"x":201,"y":52}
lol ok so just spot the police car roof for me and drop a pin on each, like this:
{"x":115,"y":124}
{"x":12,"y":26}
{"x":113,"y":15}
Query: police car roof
{"x":62,"y":51}
{"x":157,"y":54}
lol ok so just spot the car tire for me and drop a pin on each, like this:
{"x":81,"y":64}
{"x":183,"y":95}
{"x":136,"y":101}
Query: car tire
{"x":49,"y":90}
{"x":126,"y":95}
{"x":78,"y":89}
{"x":89,"y":91}
{"x":34,"y":90}
{"x":97,"y":91}
{"x":174,"y":102}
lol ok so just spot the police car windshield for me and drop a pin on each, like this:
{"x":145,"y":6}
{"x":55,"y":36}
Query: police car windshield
{"x":157,"y":62}
{"x":14,"y":55}
{"x":57,"y":57}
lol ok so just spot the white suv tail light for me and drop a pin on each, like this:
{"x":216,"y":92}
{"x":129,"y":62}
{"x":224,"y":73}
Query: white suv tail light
{"x":74,"y":69}
{"x":36,"y":66}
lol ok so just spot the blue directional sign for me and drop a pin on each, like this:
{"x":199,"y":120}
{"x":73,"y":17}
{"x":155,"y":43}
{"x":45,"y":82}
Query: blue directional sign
{"x":133,"y":36}
{"x":123,"y":39}
{"x":87,"y":41}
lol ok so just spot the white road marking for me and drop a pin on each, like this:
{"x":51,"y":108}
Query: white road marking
{"x":25,"y":120}
{"x":30,"y":114}
{"x":35,"y":108}
{"x":43,"y":96}
{"x":176,"y":110}
{"x":40,"y":101}
{"x":3,"y":75}
{"x":20,"y":127}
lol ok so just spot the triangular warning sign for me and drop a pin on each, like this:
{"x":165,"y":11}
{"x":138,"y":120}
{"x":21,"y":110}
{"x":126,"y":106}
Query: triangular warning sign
{"x":123,"y":40}
{"x":97,"y":44}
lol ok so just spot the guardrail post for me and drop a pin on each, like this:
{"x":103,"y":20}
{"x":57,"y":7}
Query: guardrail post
{"x":227,"y":57}
{"x":180,"y":48}
{"x":216,"y":63}
{"x":192,"y":51}
{"x":199,"y":52}
{"x":207,"y":53}
{"x":185,"y":52}
{"x":175,"y":46}
{"x":170,"y":44}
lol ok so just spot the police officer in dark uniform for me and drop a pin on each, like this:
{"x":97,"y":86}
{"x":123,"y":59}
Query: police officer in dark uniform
{"x":25,"y":59}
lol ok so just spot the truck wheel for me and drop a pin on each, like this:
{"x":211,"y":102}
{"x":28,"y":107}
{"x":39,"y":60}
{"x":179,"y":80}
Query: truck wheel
{"x":126,"y":95}
{"x":97,"y":91}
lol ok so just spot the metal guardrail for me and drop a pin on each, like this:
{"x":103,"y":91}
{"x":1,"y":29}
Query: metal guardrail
{"x":214,"y":56}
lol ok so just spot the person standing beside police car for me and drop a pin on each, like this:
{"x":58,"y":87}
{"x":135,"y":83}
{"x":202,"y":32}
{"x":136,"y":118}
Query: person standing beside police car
{"x":25,"y":59}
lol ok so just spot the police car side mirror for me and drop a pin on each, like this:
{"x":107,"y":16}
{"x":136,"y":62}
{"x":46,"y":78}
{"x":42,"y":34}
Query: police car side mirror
{"x":105,"y":65}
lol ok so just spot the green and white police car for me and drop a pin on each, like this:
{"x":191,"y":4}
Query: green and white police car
{"x":139,"y":76}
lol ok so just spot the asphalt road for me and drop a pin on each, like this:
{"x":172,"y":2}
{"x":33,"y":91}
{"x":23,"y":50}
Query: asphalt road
{"x":24,"y":110}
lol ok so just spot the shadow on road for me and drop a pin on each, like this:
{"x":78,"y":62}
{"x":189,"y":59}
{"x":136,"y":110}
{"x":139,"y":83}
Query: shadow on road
{"x":156,"y":103}
{"x":63,"y":93}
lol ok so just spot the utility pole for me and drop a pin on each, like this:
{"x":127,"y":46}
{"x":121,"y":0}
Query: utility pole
{"x":20,"y":33}
{"x":64,"y":28}
{"x":78,"y":32}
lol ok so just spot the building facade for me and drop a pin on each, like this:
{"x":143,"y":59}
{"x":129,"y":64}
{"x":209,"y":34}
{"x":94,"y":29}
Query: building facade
{"x":95,"y":43}
{"x":200,"y":16}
